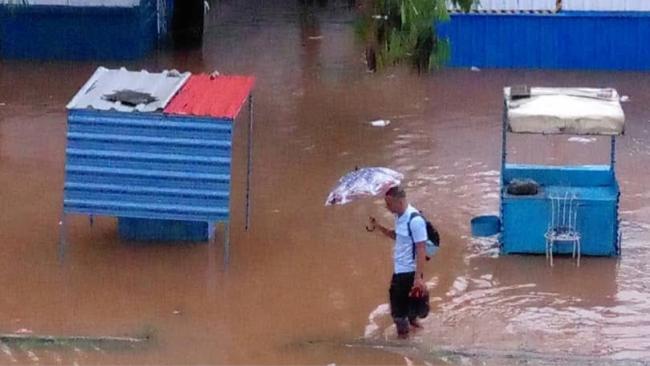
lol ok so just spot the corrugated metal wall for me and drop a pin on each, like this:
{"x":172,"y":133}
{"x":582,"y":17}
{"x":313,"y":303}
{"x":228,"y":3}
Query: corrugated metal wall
{"x":148,"y":166}
{"x":85,"y":3}
{"x":572,"y":40}
{"x":606,"y":5}
{"x":568,"y":5}
{"x":514,"y":5}
{"x":78,"y":33}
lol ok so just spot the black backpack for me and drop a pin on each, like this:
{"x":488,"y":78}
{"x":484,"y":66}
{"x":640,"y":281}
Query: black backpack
{"x":433,"y":237}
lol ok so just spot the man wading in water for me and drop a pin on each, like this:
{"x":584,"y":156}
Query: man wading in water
{"x":409,"y":255}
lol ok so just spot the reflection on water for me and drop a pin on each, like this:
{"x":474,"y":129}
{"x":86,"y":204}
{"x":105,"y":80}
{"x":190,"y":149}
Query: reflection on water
{"x":307,"y":280}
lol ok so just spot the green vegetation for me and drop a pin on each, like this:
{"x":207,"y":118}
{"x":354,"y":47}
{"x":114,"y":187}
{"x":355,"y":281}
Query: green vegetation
{"x":402,"y":31}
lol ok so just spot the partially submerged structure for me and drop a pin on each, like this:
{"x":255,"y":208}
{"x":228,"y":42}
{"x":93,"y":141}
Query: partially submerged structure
{"x":155,"y":151}
{"x":545,"y":206}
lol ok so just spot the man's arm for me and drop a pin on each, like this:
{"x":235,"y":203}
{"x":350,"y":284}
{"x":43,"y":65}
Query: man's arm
{"x":389,"y":233}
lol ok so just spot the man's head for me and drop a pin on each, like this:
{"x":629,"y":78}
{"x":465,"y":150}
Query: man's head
{"x":396,"y":200}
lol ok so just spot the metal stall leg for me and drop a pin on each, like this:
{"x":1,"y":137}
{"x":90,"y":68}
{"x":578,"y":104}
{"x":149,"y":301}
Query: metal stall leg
{"x":212,"y":233}
{"x":612,"y":154}
{"x":620,"y":239}
{"x":62,"y":238}
{"x":226,"y":243}
{"x":211,"y":270}
{"x":249,"y":168}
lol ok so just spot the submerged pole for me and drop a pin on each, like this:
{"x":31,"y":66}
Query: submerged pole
{"x":249,"y":168}
{"x":62,"y":237}
{"x":226,"y":243}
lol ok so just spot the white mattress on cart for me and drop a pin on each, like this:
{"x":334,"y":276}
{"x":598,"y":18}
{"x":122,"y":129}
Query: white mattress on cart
{"x":576,"y":111}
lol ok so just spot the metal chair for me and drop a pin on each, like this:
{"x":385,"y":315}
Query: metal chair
{"x":562,"y":227}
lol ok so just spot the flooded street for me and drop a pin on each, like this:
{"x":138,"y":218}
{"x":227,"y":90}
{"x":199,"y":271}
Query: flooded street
{"x":307,"y":284}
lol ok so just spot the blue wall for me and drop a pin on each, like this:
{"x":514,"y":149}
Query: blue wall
{"x":565,"y":40}
{"x":77,"y":33}
{"x":148,"y":166}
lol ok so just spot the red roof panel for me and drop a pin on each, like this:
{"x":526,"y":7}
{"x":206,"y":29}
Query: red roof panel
{"x":211,"y":96}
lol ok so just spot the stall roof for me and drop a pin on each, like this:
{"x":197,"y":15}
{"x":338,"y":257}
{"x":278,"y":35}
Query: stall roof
{"x":212,"y":96}
{"x":576,"y":111}
{"x":128,"y":91}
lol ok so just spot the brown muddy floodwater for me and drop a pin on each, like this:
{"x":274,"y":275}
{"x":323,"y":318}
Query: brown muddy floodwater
{"x":307,"y":280}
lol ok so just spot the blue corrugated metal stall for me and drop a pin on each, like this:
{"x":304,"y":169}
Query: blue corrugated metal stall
{"x":81,"y":32}
{"x":166,"y":176}
{"x":146,"y":165}
{"x":564,"y":40}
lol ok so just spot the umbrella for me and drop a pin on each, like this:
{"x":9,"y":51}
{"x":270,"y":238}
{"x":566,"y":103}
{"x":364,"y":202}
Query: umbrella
{"x":363,"y":182}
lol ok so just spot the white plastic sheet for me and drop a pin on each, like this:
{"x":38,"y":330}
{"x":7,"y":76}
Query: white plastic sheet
{"x":380,"y":123}
{"x":364,"y":182}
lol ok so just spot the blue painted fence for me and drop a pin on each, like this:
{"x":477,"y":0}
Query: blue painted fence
{"x":564,"y":40}
{"x":78,"y":33}
{"x":148,"y":166}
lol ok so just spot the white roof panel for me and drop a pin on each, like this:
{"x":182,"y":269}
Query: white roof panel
{"x":576,"y":111}
{"x":144,"y":91}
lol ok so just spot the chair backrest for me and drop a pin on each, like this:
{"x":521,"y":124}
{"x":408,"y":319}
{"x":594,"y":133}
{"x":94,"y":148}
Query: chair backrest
{"x":564,"y":211}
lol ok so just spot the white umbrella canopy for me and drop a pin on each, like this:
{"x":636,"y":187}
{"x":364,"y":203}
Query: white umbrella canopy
{"x":362,"y":183}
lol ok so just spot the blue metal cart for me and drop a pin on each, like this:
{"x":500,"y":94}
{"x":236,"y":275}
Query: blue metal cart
{"x":544,"y":207}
